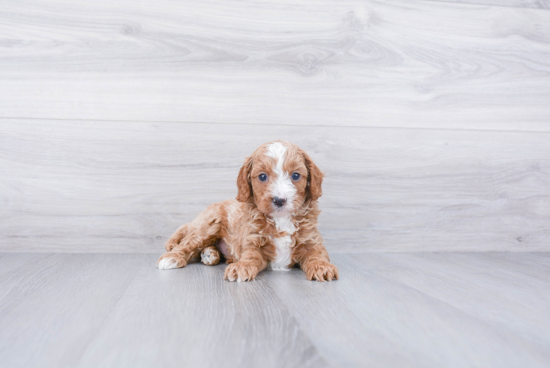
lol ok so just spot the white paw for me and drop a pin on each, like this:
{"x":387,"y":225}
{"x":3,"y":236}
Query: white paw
{"x":166,"y":264}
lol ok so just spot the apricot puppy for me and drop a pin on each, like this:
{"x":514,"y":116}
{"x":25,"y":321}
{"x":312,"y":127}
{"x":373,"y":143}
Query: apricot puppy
{"x":272,"y":223}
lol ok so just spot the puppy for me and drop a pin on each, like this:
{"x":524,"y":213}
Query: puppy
{"x":272,"y":223}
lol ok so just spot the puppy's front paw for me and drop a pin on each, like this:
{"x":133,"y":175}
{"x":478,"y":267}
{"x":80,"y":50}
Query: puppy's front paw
{"x":170,"y":260}
{"x":240,"y":271}
{"x":321,"y":271}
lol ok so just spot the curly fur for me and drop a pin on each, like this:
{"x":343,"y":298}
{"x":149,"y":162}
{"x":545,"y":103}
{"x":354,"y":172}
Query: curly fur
{"x":254,"y":232}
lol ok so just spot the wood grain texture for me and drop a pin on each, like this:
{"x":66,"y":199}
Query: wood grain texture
{"x":197,"y":319}
{"x":124,"y":187}
{"x":334,"y":63}
{"x":398,"y":310}
{"x":456,"y":279}
{"x":538,"y":4}
{"x":58,"y":304}
{"x":411,"y":310}
{"x":14,"y":269}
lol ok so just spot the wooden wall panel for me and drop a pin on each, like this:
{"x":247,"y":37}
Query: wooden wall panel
{"x":125,"y":186}
{"x":120,"y":119}
{"x":537,"y":4}
{"x":332,"y":63}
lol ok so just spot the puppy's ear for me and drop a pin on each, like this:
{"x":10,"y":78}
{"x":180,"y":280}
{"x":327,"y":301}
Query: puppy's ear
{"x":243,"y":181}
{"x":314,"y":179}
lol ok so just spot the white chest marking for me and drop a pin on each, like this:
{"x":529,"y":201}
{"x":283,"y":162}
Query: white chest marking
{"x":283,"y":244}
{"x":284,"y":223}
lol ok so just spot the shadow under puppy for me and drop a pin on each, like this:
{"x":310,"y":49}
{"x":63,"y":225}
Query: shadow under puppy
{"x":273,"y":221}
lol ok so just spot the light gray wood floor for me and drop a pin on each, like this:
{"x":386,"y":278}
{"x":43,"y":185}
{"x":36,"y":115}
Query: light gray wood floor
{"x":398,"y":310}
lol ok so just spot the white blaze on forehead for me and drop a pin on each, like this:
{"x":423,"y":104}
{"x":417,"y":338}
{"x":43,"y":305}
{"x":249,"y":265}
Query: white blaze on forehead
{"x":281,"y":186}
{"x":277,"y":151}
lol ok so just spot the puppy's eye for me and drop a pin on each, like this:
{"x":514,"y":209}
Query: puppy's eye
{"x":262,"y":177}
{"x":296,"y":176}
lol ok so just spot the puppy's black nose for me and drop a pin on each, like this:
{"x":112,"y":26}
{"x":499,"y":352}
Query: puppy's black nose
{"x":279,"y":202}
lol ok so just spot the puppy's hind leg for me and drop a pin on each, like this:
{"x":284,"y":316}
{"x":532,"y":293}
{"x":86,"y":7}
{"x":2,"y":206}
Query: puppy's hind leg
{"x":176,"y":237}
{"x":200,"y":233}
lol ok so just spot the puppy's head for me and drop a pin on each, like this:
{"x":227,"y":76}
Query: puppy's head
{"x":279,"y":178}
